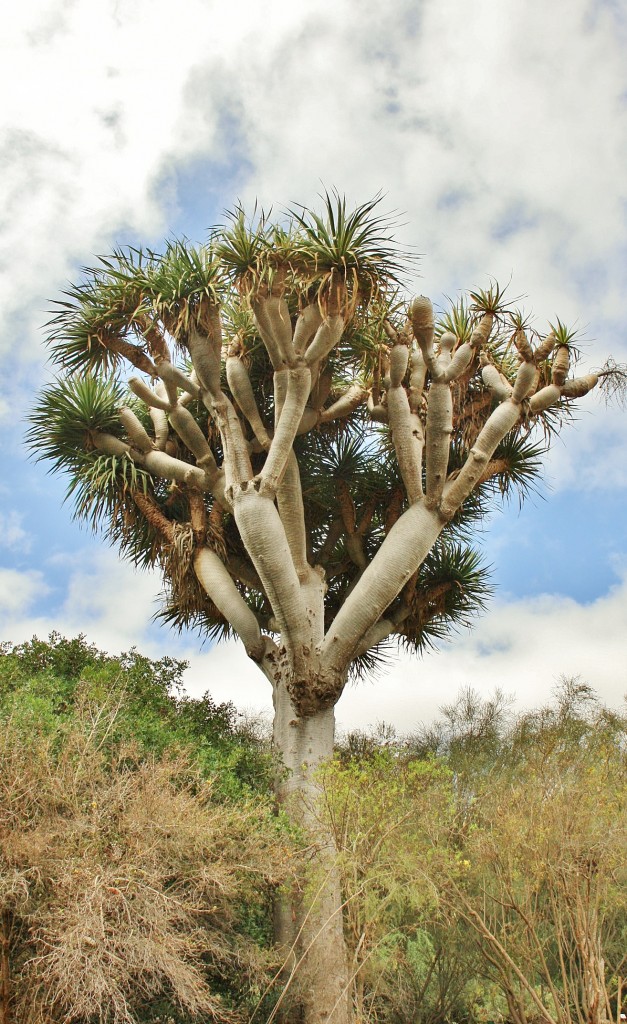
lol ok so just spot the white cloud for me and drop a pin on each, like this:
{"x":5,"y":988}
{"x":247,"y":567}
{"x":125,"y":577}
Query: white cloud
{"x":111,"y":600}
{"x":476,"y":125}
{"x":592,"y":453}
{"x":104,"y":98}
{"x":228,"y":674}
{"x":521,"y":647}
{"x":12,"y":533}
{"x":501,"y":133}
{"x":18,"y":590}
{"x":108,"y":600}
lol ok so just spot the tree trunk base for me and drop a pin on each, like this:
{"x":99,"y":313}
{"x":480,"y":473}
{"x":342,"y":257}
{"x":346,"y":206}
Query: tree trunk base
{"x":309,"y":928}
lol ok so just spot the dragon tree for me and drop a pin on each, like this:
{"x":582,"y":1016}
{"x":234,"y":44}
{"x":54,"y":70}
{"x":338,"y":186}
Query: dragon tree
{"x":304,"y":451}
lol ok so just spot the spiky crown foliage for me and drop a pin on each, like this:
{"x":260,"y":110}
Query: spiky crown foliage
{"x":141,"y":308}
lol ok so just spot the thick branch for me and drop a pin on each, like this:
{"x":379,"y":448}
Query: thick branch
{"x":279,"y":378}
{"x":321,"y":383}
{"x":354,"y":396}
{"x":237,"y":465}
{"x":439,"y":423}
{"x":292,"y":512}
{"x":326,"y":338}
{"x":314,"y":413}
{"x":403,"y":550}
{"x":242,"y":391}
{"x":135,"y":355}
{"x":175,"y":380}
{"x":502,"y":420}
{"x":322,"y":556}
{"x":161,"y":428}
{"x":307,"y":324}
{"x":156,"y":462}
{"x":298,"y":385}
{"x":375,"y":635}
{"x":496,"y":467}
{"x":242,"y":570}
{"x":411,"y":538}
{"x":272,"y":318}
{"x":197,"y":516}
{"x":257,"y":519}
{"x":493,"y":379}
{"x":405,"y":426}
{"x":264,"y":538}
{"x":155,"y":339}
{"x":423,"y":326}
{"x":378,"y":411}
{"x":135,"y":430}
{"x":151,"y":398}
{"x":183,"y":423}
{"x":354,"y":540}
{"x":366,"y":519}
{"x":417,"y":375}
{"x":393,"y":510}
{"x":217,"y":583}
{"x":205,"y":350}
{"x":191,"y":435}
{"x":153,"y":515}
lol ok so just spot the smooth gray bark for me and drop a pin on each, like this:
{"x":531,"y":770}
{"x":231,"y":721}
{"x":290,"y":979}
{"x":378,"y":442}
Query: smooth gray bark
{"x":310,"y":928}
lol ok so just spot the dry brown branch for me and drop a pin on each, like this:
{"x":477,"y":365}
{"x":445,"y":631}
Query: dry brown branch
{"x":613,"y":377}
{"x":135,"y":355}
{"x":153,"y":514}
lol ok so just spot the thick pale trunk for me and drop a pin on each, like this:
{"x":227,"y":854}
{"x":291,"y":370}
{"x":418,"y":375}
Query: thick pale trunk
{"x":310,"y":932}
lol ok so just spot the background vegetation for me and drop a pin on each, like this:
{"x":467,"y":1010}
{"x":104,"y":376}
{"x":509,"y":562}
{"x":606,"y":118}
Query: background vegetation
{"x":482,"y":859}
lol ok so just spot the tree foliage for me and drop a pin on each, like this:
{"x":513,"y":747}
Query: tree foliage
{"x":293,"y":335}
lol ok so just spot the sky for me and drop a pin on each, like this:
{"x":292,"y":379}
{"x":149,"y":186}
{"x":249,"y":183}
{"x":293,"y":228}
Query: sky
{"x":496,"y":130}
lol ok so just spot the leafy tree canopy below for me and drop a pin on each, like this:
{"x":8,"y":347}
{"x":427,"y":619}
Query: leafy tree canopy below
{"x":46,"y":684}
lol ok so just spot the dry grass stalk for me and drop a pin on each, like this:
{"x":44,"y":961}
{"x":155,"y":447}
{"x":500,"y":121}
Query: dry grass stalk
{"x":123,"y":879}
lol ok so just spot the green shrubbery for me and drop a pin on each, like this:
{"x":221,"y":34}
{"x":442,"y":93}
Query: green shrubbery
{"x":482,"y":860}
{"x":46,"y":684}
{"x":138,"y":848}
{"x":484,"y":863}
